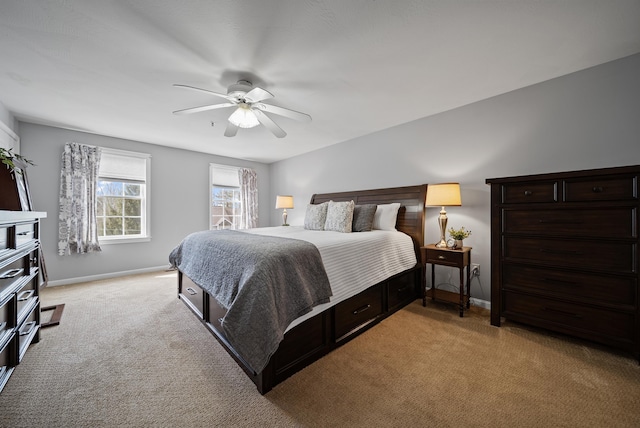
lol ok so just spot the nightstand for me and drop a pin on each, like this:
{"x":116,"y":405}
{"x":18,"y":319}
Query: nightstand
{"x":458,"y":258}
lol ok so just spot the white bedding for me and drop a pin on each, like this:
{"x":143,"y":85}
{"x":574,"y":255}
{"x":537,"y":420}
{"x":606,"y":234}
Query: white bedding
{"x":353,"y":261}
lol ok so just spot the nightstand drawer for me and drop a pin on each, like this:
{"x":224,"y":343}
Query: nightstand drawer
{"x":601,"y":189}
{"x":573,"y":222}
{"x":529,"y":193}
{"x":445,"y":257}
{"x":598,"y":255}
{"x":583,"y":319}
{"x":605,"y":289}
{"x":357,"y":311}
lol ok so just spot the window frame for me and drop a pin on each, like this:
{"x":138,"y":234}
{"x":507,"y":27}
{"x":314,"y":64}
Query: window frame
{"x":145,"y":236}
{"x":212,"y":168}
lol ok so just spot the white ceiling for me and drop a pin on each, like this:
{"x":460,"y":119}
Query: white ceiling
{"x":356,"y":66}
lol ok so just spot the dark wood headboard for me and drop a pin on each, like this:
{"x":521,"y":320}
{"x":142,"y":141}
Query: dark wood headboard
{"x":410,"y":216}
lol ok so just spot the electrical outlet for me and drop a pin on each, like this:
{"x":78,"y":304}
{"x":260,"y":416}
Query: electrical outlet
{"x":475,"y":269}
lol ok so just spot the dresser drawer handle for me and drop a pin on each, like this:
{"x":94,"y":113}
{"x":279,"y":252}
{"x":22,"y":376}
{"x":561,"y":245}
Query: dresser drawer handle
{"x":572,"y":252}
{"x":31,"y":325}
{"x":541,"y":221}
{"x":403,"y":289}
{"x":11,"y":273}
{"x":558,"y":281}
{"x":528,"y":193}
{"x":361,"y":309}
{"x":598,"y":189}
{"x":23,"y":233}
{"x":191,"y":291}
{"x":561,"y":312}
{"x":3,"y":325}
{"x":25,"y":295}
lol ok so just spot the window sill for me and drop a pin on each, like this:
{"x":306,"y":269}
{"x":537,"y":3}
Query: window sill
{"x":110,"y":241}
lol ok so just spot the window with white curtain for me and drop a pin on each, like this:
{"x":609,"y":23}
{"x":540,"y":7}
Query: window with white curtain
{"x":225,"y":206}
{"x":123,"y":196}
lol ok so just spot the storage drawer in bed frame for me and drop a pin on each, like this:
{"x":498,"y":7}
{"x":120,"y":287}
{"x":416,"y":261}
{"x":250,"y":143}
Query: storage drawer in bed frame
{"x":316,"y":336}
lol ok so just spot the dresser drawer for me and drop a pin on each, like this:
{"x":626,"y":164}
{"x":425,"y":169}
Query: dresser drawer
{"x":193,"y":295}
{"x":530,"y":193}
{"x":7,"y":317}
{"x":596,"y":255}
{"x":573,"y":222}
{"x":26,"y":297}
{"x":582,"y":319}
{"x":27,"y":331}
{"x":579,"y":286}
{"x":7,"y":357}
{"x":601,"y":189}
{"x":5,"y":232}
{"x":357,"y":311}
{"x":26,"y":232}
{"x":13,"y":272}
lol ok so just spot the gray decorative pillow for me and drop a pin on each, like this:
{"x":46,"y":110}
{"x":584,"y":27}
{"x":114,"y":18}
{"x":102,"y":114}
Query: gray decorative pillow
{"x":363,"y":217}
{"x":339,"y":216}
{"x":316,"y":216}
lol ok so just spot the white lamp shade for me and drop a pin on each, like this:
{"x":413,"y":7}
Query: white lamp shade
{"x":284,"y":201}
{"x":244,"y":117}
{"x":443,"y":194}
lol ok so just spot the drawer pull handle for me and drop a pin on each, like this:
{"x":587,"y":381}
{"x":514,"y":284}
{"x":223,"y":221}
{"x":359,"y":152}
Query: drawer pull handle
{"x":23,"y":233}
{"x":558,"y":281}
{"x":561,"y":312}
{"x":361,"y":309}
{"x":25,"y":295}
{"x":3,"y":325}
{"x":573,"y":252}
{"x":442,"y":258}
{"x":528,"y":193}
{"x":11,"y":273}
{"x":598,"y":189}
{"x":541,"y":221}
{"x":31,"y":325}
{"x":191,"y":291}
{"x":403,"y":289}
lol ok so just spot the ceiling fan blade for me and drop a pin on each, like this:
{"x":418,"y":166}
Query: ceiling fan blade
{"x":204,"y":108}
{"x":281,"y":111}
{"x":269,"y":124}
{"x":217,"y":94}
{"x":231,"y":130}
{"x":257,"y":94}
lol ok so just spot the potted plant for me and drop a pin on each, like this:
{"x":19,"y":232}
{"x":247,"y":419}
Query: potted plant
{"x":8,"y":158}
{"x":458,"y":235}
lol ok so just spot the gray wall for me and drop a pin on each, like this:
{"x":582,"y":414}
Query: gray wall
{"x":179,"y":197}
{"x":7,"y":118}
{"x":589,"y":119}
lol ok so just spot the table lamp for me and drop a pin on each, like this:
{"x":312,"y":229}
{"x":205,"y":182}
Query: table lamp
{"x":442,"y":195}
{"x":283,"y":202}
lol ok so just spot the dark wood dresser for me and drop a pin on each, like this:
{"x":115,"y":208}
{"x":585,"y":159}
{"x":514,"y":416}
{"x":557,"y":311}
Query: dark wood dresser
{"x":19,"y":287}
{"x":564,"y":253}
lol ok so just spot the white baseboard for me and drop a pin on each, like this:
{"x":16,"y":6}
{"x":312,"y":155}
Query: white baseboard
{"x":481,"y":303}
{"x":106,"y":276}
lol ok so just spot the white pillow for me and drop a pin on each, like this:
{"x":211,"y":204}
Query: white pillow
{"x":316,"y":216}
{"x":339,"y":216}
{"x":385,"y":216}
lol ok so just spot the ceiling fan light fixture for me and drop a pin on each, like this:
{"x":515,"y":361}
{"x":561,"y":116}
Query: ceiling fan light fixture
{"x":244,"y":117}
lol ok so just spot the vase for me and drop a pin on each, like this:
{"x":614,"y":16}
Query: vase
{"x":458,"y":244}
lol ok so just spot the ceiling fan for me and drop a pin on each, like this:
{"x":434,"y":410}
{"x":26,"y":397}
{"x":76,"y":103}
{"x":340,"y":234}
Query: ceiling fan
{"x":249,"y":108}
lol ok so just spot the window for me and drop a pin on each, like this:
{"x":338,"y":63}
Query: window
{"x":122,"y":196}
{"x":225,"y":203}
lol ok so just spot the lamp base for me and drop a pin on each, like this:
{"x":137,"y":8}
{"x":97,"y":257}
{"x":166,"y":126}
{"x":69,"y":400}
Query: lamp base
{"x":441,"y":244}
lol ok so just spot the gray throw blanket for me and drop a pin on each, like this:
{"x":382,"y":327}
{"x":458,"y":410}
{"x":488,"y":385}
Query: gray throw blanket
{"x":264,"y":282}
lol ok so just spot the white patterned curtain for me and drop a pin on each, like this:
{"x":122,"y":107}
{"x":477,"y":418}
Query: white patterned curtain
{"x":77,"y":227}
{"x":248,"y":198}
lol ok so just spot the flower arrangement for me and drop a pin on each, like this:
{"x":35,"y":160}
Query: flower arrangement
{"x":459,"y":234}
{"x":7,"y":158}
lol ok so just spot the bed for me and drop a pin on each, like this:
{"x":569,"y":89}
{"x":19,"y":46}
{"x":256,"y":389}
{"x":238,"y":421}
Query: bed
{"x":329,"y":324}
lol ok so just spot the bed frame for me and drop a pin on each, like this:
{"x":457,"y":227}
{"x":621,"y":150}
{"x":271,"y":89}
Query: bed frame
{"x":319,"y":335}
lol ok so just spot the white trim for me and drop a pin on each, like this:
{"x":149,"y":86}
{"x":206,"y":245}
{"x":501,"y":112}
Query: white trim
{"x":8,"y":138}
{"x":481,"y":303}
{"x":77,"y":280}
